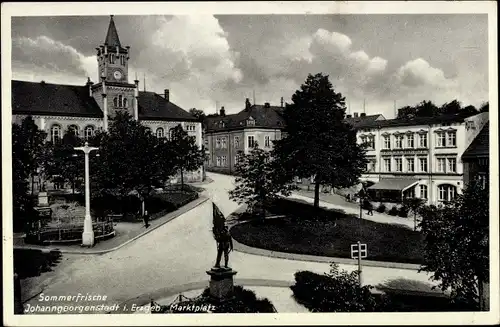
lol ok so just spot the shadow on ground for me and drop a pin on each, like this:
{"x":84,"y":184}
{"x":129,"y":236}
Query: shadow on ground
{"x":32,"y":263}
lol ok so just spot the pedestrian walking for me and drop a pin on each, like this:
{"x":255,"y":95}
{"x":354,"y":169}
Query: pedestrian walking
{"x":369,"y":207}
{"x":146,"y":219}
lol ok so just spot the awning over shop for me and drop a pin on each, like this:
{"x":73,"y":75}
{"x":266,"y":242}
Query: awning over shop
{"x":394,"y":184}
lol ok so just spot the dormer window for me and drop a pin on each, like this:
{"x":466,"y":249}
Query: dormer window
{"x":222,"y":124}
{"x":250,"y":121}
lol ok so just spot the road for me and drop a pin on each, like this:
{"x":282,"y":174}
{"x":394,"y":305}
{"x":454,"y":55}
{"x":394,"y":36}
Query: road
{"x":178,"y":253}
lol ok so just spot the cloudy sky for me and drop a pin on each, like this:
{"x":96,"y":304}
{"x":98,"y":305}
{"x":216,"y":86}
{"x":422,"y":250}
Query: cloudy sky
{"x":205,"y":60}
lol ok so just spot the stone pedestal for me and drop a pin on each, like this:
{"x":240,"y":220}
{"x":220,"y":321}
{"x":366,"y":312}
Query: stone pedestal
{"x":221,"y":283}
{"x":43,"y":199}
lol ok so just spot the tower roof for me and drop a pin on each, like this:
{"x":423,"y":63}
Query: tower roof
{"x":112,"y":38}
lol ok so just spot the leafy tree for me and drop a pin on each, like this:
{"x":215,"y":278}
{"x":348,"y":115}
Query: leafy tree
{"x":414,"y":205}
{"x":256,"y":183}
{"x":187,"y":156}
{"x":32,"y":139}
{"x":485,"y":107}
{"x":66,"y":163}
{"x":23,"y":205}
{"x":318,"y":142}
{"x":450,"y":108}
{"x":427,"y":109}
{"x":336,"y":291}
{"x":470,"y":109}
{"x":407,"y":112}
{"x":199,"y":114}
{"x":456,"y":249}
{"x":127,"y":162}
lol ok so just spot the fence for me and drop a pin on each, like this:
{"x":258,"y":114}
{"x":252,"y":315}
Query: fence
{"x":68,"y":233}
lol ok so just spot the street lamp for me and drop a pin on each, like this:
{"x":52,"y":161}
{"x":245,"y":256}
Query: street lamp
{"x":88,"y":231}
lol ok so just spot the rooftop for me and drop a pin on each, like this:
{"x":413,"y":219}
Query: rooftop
{"x":265,"y":116}
{"x":32,"y":98}
{"x":480,"y":146}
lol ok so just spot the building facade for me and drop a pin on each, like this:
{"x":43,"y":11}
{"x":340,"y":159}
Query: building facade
{"x":83,"y":109}
{"x":419,"y":157}
{"x":227,"y":135}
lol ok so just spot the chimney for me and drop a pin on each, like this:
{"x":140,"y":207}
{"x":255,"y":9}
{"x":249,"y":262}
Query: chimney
{"x":222,"y":111}
{"x":355,"y":115}
{"x":281,"y":102}
{"x":89,"y":85}
{"x":348,"y":116}
{"x":267,"y":105}
{"x":247,"y":104}
{"x":363,"y":114}
{"x":167,"y":95}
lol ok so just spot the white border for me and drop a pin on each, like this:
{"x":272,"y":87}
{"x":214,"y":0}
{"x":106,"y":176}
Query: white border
{"x":344,"y":7}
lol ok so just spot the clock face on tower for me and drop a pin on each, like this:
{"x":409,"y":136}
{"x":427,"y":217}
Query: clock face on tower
{"x":117,"y":75}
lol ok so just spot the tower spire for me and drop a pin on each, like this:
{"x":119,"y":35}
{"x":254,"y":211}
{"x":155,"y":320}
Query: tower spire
{"x":112,"y":39}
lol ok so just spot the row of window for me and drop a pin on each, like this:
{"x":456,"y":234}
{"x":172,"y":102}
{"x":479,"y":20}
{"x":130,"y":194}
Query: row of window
{"x":444,"y":165}
{"x":443,"y":139}
{"x":221,"y":142}
{"x":405,"y":141}
{"x":446,"y":192}
{"x":56,"y":132}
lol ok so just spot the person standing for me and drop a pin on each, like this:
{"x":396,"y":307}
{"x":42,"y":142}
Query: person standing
{"x":369,"y":207}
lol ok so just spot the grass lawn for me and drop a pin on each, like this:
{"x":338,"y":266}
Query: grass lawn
{"x":324,"y":237}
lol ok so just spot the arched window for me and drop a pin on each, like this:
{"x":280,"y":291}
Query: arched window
{"x":112,"y":58}
{"x":124,"y":103}
{"x":446,"y":192}
{"x":159,"y":132}
{"x":148,"y":130}
{"x":120,"y":101}
{"x":115,"y":102}
{"x":89,"y":131}
{"x":73,"y":129}
{"x":55,"y":133}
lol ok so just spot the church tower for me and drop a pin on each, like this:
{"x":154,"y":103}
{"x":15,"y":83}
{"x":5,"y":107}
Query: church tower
{"x":114,"y":93}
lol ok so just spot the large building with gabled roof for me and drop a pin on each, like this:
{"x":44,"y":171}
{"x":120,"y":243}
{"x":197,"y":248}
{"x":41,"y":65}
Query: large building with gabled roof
{"x":83,"y":109}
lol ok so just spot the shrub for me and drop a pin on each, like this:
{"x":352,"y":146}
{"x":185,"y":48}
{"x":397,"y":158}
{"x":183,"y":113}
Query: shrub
{"x":394,"y":211}
{"x":381,"y":208}
{"x":403,"y":212}
{"x":337,"y":291}
{"x":244,"y":301}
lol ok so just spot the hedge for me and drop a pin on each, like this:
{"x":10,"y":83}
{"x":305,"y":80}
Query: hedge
{"x":244,"y":301}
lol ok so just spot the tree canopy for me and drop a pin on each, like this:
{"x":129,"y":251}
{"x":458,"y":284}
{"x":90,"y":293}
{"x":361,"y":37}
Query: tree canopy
{"x":457,"y":244}
{"x":429,"y":109}
{"x":187,"y":156}
{"x":318,"y":141}
{"x":128,"y":160}
{"x":256,"y":179}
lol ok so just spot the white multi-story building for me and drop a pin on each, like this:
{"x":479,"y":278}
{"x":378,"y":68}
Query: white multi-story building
{"x":417,"y":157}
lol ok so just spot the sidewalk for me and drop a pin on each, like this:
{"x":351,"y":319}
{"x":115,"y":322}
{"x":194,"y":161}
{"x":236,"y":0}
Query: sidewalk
{"x":126,"y":232}
{"x":334,"y":202}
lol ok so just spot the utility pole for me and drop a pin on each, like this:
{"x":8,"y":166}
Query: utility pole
{"x":359,"y":265}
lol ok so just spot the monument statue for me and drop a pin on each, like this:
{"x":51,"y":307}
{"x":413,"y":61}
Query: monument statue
{"x":222,"y":237}
{"x":224,"y":245}
{"x":221,"y":279}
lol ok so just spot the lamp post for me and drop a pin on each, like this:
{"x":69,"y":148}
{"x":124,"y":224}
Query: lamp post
{"x":88,"y":231}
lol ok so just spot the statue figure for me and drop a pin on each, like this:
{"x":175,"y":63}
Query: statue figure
{"x":224,"y":245}
{"x":221,"y":236}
